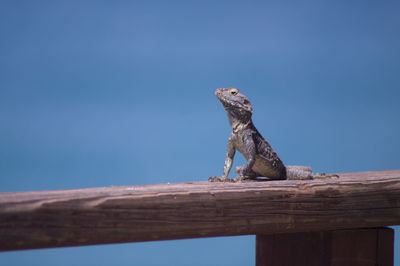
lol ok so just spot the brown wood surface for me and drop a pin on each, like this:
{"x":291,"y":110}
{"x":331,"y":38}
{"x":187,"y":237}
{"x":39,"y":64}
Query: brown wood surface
{"x":201,"y":209}
{"x":351,"y":247}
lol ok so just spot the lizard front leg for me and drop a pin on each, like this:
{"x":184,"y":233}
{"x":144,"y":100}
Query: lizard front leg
{"x":230,"y":153}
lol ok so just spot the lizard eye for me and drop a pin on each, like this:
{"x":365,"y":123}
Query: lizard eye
{"x":234,"y":91}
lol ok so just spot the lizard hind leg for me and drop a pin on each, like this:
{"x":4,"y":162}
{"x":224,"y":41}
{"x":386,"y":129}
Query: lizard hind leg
{"x":249,"y":175}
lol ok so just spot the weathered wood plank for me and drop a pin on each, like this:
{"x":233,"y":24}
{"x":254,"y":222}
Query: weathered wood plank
{"x":42,"y":219}
{"x":352,"y":247}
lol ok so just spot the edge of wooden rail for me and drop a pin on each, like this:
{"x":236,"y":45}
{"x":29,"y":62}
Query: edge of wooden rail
{"x":41,"y":219}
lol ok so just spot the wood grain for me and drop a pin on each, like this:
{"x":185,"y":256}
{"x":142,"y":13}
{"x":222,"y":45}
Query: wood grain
{"x":351,"y":247}
{"x":42,"y":219}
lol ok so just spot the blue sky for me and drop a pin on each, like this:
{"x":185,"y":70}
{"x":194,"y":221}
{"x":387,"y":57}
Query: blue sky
{"x":100,"y":93}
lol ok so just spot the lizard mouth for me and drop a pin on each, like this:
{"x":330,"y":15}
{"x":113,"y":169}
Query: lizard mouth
{"x":218,"y":92}
{"x":221,"y":97}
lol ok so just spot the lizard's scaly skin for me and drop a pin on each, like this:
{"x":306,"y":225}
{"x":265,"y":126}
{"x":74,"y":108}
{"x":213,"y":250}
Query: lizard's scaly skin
{"x":262,"y":160}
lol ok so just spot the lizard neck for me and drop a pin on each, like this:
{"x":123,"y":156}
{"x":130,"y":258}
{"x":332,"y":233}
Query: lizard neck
{"x":238,"y":120}
{"x":238,"y":126}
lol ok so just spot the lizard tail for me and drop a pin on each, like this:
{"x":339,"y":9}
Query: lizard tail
{"x":294,"y":172}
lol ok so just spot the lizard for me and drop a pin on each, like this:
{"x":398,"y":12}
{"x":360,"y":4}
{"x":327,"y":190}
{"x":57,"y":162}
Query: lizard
{"x":263,"y":163}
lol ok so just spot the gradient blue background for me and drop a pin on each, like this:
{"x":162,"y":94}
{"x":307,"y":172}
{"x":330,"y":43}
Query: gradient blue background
{"x":100,"y":93}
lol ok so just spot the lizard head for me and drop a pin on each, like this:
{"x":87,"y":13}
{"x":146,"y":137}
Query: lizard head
{"x":237,"y":106}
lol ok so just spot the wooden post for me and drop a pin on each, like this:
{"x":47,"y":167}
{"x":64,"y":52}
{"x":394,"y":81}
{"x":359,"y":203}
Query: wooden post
{"x":353,"y":247}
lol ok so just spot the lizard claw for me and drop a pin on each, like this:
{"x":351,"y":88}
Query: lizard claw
{"x":213,"y":178}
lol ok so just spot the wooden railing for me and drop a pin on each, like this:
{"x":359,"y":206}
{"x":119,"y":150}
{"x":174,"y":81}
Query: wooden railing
{"x":272,"y":210}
